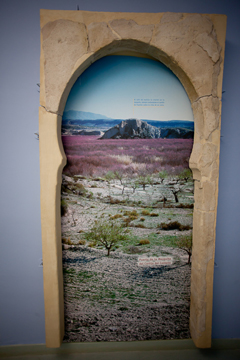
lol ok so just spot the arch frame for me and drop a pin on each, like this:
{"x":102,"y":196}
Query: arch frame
{"x":192,"y":46}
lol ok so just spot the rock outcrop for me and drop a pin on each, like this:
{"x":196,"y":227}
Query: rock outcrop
{"x":132,"y":129}
{"x":135,"y":128}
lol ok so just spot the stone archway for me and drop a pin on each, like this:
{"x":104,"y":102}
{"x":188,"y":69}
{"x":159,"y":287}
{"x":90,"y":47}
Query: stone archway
{"x":192,"y":46}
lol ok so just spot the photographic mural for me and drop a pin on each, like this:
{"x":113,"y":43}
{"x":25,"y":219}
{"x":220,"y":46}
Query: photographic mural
{"x":127,"y":203}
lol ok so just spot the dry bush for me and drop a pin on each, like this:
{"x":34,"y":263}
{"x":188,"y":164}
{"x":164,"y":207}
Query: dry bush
{"x":144,"y":242}
{"x":64,"y":207}
{"x":116,"y":201}
{"x":154,"y":214}
{"x":140,"y":226}
{"x":67,"y":241}
{"x":126,"y":222}
{"x":131,"y":213}
{"x":133,"y":217}
{"x":145,"y":212}
{"x":81,"y":242}
{"x":185,"y":206}
{"x":117,"y":216}
{"x":174,"y":225}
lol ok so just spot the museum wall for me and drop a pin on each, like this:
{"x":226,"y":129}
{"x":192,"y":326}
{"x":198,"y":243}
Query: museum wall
{"x":21,"y":282}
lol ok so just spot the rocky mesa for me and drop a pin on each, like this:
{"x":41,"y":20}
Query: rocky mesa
{"x":136,"y":128}
{"x":132,"y":128}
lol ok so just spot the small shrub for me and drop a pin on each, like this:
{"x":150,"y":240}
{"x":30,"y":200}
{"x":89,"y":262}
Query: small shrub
{"x":67,"y":241}
{"x":145,"y":212}
{"x":154,"y":214}
{"x":117,"y":216}
{"x":132,"y":217}
{"x":81,"y":242}
{"x":126,"y":222}
{"x":144,"y":242}
{"x":132,"y":213}
{"x":142,"y":219}
{"x":115,"y":201}
{"x":64,"y":207}
{"x":174,"y":225}
{"x":185,"y":227}
{"x":80,"y":188}
{"x":140,"y":226}
{"x":90,"y":195}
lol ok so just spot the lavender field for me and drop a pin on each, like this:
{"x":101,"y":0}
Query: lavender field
{"x":90,"y":156}
{"x":122,"y":200}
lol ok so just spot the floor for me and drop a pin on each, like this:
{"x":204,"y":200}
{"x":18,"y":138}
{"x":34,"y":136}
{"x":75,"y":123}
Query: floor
{"x":150,"y":350}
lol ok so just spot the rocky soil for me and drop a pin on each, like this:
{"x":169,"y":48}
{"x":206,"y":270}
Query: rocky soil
{"x":111,"y":298}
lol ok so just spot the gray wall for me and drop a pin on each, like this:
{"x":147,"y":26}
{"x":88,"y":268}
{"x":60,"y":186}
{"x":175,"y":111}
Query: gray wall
{"x":21,"y":294}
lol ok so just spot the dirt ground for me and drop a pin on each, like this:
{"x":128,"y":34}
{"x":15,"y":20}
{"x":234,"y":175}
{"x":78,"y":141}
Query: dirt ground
{"x":112,"y":298}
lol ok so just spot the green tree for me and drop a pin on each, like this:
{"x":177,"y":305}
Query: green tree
{"x":185,"y":174}
{"x":106,"y":233}
{"x":109,"y":176}
{"x":185,"y":243}
{"x":162,"y":175}
{"x":143,"y":181}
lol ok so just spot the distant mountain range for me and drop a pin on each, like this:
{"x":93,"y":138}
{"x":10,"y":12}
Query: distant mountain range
{"x":82,"y":115}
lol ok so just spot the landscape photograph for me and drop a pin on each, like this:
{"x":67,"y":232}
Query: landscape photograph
{"x":127,"y":203}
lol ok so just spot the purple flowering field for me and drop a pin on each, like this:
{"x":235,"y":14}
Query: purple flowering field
{"x":90,"y":156}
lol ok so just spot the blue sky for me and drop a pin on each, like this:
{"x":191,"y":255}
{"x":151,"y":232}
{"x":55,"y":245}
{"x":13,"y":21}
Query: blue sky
{"x":122,"y":87}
